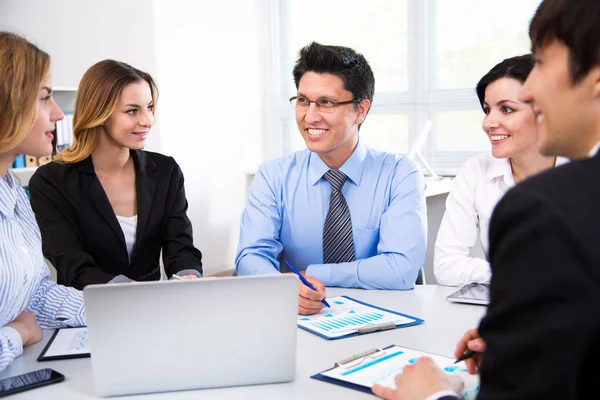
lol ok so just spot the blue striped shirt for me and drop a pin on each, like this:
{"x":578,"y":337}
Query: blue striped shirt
{"x":24,"y":276}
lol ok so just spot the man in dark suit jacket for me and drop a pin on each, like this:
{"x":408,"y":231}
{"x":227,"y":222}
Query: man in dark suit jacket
{"x":542,"y":331}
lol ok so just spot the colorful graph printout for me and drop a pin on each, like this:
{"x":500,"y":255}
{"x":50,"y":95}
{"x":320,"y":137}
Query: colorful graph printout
{"x":69,"y":342}
{"x":382,"y":368}
{"x":346,"y":316}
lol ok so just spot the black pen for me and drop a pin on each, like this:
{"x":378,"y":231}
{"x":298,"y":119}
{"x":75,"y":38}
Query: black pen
{"x":466,"y":354}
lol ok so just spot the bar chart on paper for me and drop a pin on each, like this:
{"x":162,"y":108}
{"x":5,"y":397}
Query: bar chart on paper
{"x":353,"y":319}
{"x":346,"y":316}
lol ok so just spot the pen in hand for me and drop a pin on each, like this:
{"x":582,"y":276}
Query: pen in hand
{"x":466,"y":354}
{"x":175,"y":276}
{"x":307,"y":283}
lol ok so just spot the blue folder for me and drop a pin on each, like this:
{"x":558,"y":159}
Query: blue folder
{"x":416,"y":321}
{"x":19,"y":161}
{"x":345,"y":384}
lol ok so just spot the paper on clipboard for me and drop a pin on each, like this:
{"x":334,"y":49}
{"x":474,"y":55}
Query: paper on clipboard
{"x":66,"y":343}
{"x":381,"y":366}
{"x":347,"y":316}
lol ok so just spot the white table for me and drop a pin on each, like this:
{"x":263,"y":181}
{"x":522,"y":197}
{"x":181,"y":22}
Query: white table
{"x":444,"y":324}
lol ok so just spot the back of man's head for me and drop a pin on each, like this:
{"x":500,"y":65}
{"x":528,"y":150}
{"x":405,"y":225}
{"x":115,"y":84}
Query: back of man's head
{"x":576,"y":23}
{"x":351,"y":67}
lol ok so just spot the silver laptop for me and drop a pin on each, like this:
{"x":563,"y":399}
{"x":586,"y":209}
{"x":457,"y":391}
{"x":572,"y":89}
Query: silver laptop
{"x":177,"y":335}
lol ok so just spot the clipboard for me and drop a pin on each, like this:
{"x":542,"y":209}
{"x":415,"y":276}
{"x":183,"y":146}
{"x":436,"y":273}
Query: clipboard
{"x":386,"y":363}
{"x":66,"y":343}
{"x":349,"y":317}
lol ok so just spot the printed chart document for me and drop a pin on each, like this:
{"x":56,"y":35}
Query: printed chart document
{"x":349,"y":317}
{"x":380,"y":366}
{"x":66,"y":343}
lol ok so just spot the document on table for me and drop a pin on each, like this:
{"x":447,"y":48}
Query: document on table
{"x":380,"y":366}
{"x":66,"y":343}
{"x":348,"y":317}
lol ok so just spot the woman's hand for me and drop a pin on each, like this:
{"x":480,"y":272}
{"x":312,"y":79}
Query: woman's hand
{"x":28,"y":328}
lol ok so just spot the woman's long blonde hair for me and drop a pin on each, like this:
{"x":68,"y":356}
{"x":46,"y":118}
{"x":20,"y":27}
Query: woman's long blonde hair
{"x":23,"y":69}
{"x":96,"y":100}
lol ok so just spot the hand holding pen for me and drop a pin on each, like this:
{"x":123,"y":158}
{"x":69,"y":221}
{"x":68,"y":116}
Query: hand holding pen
{"x":311,"y":293}
{"x":470,"y":348}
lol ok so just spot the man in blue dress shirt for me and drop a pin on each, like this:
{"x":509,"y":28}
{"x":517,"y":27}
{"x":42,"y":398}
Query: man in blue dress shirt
{"x":340,"y":212}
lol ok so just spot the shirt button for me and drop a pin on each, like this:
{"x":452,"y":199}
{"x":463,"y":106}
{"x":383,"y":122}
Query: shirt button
{"x":25,"y":250}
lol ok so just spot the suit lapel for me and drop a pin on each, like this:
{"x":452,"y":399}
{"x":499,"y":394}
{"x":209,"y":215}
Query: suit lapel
{"x":99,"y":198}
{"x":145,"y":188}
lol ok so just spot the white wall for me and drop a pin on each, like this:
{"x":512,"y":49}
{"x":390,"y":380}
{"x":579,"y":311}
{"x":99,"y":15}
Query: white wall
{"x":78,"y":33}
{"x":209,"y":111}
{"x":204,"y":56}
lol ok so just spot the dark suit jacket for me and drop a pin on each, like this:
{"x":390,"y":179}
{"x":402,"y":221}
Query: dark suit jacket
{"x":82,"y":238}
{"x":542,"y":327}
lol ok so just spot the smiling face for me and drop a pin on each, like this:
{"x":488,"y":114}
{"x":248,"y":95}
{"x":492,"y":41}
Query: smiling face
{"x":509,"y":123}
{"x":129,"y":124}
{"x":38,"y":142}
{"x":333,"y":134}
{"x":566,"y":113}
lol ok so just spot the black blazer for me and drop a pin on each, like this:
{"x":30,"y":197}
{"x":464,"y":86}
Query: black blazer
{"x":542,"y":327}
{"x":82,"y":238}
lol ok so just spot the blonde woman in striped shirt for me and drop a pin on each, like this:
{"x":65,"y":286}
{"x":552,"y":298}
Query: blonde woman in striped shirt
{"x":29,"y":300}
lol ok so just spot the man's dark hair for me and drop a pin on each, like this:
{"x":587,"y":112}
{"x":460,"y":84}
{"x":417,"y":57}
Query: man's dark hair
{"x":517,"y":68}
{"x":352,"y":68}
{"x":576,"y":23}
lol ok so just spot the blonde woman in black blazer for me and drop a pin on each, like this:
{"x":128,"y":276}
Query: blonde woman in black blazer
{"x":106,"y":208}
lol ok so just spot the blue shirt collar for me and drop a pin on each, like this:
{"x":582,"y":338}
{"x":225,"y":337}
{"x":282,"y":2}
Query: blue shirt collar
{"x":353,"y":167}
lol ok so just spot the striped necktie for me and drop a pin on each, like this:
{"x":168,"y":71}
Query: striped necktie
{"x":338,"y":244}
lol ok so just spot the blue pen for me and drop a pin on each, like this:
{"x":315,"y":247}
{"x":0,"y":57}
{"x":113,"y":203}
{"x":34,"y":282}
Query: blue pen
{"x":307,"y":283}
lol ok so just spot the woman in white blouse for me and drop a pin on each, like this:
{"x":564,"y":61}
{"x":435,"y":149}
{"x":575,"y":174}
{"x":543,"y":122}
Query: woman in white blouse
{"x":29,"y":300}
{"x":483,"y":180}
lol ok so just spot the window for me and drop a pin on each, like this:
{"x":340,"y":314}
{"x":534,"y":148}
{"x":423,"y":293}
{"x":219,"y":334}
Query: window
{"x":427,"y":56}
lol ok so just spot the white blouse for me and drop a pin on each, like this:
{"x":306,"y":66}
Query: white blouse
{"x":129,"y":227}
{"x":477,"y":188}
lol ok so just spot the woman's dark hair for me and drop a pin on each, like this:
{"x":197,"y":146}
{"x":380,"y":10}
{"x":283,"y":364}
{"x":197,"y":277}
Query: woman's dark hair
{"x":515,"y":67}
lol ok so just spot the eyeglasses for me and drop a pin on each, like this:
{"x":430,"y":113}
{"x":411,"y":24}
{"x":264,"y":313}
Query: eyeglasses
{"x":325,"y":105}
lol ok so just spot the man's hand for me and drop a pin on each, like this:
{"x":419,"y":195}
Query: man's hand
{"x":471,"y":341}
{"x":28,"y":328}
{"x":190,"y":276}
{"x":309,"y":301}
{"x":419,"y":381}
